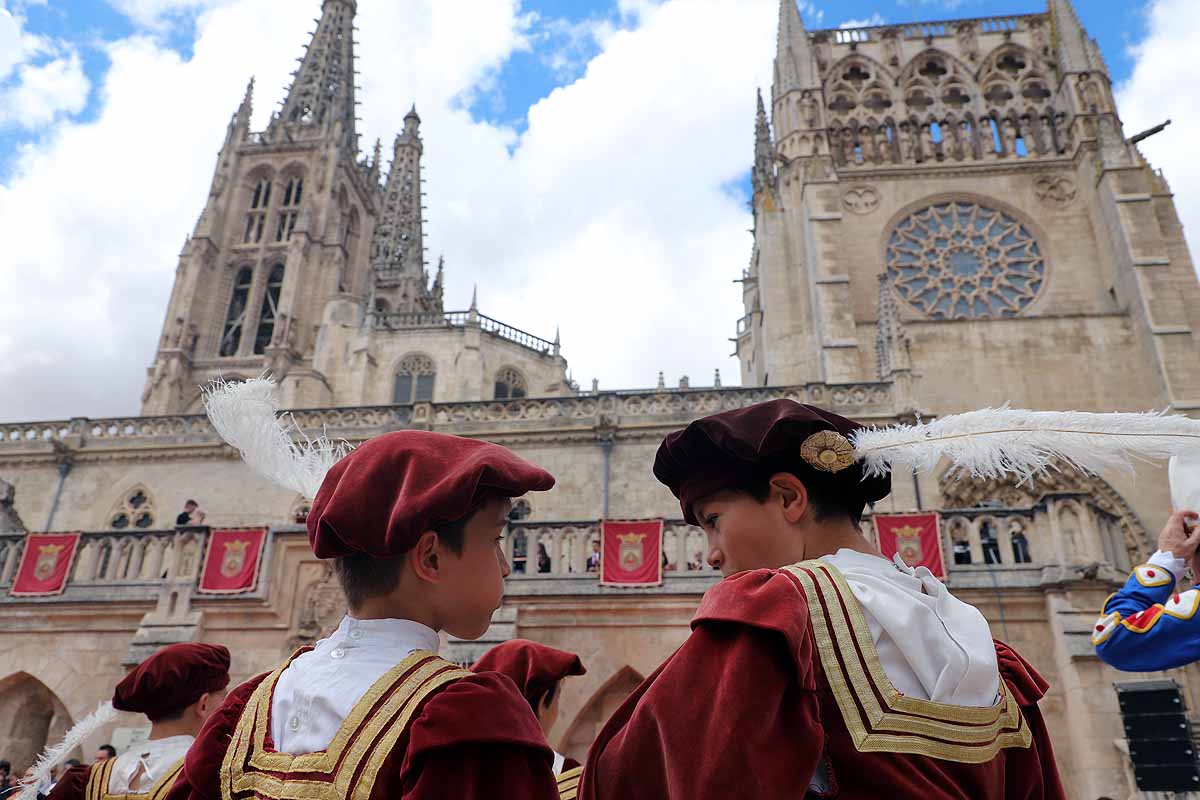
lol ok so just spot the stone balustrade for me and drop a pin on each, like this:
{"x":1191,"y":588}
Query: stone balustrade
{"x":569,"y":544}
{"x":931,"y":30}
{"x":645,"y":407}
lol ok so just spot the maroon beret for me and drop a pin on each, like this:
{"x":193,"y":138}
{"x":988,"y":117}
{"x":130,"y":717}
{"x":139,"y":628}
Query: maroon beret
{"x":533,"y":667}
{"x":172,"y":679}
{"x":389,"y":490}
{"x":727,"y":450}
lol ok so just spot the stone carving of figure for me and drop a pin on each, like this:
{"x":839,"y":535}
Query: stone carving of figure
{"x":928,"y":146}
{"x":905,"y":143}
{"x":1093,"y":99}
{"x":954,"y":141}
{"x":883,"y":148}
{"x":1062,"y":136}
{"x":891,"y":47}
{"x":1008,"y":133}
{"x":866,"y":145}
{"x":823,"y":51}
{"x":967,"y":140}
{"x":966,"y":41}
{"x":847,"y":146}
{"x":1039,"y":38}
{"x":808,"y":110}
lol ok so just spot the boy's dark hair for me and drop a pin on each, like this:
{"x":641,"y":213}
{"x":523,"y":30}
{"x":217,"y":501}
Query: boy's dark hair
{"x":829,"y":501}
{"x":6,"y":766}
{"x":71,"y":762}
{"x":363,"y":576}
{"x":190,"y":503}
{"x":544,"y":699}
{"x":108,"y":748}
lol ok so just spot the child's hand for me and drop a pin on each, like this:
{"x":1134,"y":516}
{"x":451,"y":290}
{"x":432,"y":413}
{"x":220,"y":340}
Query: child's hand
{"x":1178,"y":537}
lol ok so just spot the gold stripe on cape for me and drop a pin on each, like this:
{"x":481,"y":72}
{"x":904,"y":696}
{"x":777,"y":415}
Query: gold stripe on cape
{"x":98,"y":777}
{"x":568,"y":783}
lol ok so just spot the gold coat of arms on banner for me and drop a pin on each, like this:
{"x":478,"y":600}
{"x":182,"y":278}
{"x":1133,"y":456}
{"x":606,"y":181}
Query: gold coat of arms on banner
{"x":632,"y":553}
{"x":47,"y":561}
{"x":908,"y":545}
{"x":234,"y":557}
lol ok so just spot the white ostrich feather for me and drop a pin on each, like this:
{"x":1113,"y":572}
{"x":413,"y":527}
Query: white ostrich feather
{"x":244,"y":415}
{"x":61,"y":751}
{"x":993,"y":442}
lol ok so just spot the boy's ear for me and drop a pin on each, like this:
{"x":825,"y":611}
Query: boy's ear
{"x":426,"y":558}
{"x":792,"y":495}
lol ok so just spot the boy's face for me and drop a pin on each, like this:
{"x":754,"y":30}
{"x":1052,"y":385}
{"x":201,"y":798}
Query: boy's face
{"x":474,"y":581}
{"x":745,"y":534}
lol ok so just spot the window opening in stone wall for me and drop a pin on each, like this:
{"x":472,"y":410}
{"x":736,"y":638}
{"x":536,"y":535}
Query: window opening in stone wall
{"x":260,"y":198}
{"x":269,"y":311}
{"x":520,"y":510}
{"x":135,"y":509}
{"x":1020,"y":548}
{"x":510,"y":384}
{"x":414,"y":380}
{"x":289,"y":212}
{"x":987,"y":540}
{"x":235,"y":318}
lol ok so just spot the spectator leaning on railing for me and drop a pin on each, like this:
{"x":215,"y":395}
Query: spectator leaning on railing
{"x":191,"y":514}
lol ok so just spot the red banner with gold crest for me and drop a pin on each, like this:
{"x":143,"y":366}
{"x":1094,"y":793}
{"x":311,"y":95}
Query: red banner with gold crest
{"x":45,"y":564}
{"x":631,"y":552}
{"x":916,"y":537}
{"x":231,"y":563}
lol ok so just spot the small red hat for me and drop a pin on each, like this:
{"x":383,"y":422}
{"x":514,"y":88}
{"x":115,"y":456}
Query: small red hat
{"x":381,"y":497}
{"x":726,"y":450}
{"x":172,"y":679}
{"x":533,"y":667}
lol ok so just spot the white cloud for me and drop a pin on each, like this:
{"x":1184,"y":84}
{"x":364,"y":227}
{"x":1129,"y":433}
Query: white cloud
{"x":607,"y":215}
{"x":1162,"y":85}
{"x":866,"y":22}
{"x":812,"y":15}
{"x":40,"y":79}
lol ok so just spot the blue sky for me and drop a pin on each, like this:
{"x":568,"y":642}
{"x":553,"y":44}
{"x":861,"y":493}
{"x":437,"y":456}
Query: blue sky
{"x":560,"y":48}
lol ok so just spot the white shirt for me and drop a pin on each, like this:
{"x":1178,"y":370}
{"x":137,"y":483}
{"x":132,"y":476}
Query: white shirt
{"x":319,"y":689}
{"x":1167,"y":560}
{"x":932,"y":645}
{"x":155,"y":758}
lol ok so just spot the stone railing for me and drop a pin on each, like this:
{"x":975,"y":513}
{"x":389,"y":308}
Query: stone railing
{"x":927,"y":30}
{"x":461,"y":319}
{"x":643,"y":407}
{"x":568,"y":546}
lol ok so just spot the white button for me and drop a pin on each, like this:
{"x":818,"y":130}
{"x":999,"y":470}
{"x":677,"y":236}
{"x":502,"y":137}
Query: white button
{"x":338,"y":652}
{"x":294,"y":723}
{"x":356,"y":634}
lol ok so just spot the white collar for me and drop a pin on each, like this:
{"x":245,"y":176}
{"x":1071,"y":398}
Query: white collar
{"x":170,"y":741}
{"x":353,"y":631}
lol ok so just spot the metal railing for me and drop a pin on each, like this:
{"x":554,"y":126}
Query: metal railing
{"x":461,"y":319}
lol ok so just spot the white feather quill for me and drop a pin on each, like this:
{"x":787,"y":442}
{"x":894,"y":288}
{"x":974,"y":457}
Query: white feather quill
{"x":245,"y":416}
{"x":993,"y":442}
{"x":60,"y":752}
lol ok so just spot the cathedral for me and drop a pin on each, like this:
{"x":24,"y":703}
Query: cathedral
{"x":947,"y":215}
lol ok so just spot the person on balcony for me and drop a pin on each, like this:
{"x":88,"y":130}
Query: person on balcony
{"x":816,"y":665}
{"x":191,"y":515}
{"x":177,"y":689}
{"x":413,"y":522}
{"x":1150,"y":625}
{"x":538,"y":671}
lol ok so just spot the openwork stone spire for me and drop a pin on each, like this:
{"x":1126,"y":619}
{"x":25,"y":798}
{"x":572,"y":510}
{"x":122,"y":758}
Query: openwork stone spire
{"x":321,"y":99}
{"x":398,"y":248}
{"x":793,"y":58}
{"x":1074,"y":46}
{"x":891,"y":340}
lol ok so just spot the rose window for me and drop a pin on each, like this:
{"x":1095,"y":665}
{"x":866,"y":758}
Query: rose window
{"x":962,"y":260}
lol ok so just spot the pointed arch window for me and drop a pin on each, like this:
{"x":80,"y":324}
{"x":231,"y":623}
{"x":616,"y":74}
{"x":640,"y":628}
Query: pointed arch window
{"x":290,"y":209}
{"x":256,"y":217}
{"x":414,"y":380}
{"x":510,"y":384}
{"x":135,"y":510}
{"x":235,"y":318}
{"x":270,"y":310}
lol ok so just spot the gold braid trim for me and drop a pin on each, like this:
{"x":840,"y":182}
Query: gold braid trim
{"x":568,"y":783}
{"x":367,"y":734}
{"x":901,"y":724}
{"x":98,"y":777}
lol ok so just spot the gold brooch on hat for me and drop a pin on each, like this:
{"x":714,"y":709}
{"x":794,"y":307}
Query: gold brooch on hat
{"x":827,"y":451}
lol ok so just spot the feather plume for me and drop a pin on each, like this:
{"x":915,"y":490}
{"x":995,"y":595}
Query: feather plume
{"x":993,"y":442}
{"x":62,"y":751}
{"x":245,"y":416}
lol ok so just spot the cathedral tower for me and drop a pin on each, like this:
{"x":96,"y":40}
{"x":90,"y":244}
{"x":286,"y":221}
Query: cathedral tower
{"x":979,"y":167}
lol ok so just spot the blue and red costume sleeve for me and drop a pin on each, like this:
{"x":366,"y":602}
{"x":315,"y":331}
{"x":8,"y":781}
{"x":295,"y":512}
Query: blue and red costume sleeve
{"x":1148,"y":625}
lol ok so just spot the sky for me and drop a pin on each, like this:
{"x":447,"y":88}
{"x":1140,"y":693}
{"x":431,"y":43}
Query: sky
{"x":586,"y":161}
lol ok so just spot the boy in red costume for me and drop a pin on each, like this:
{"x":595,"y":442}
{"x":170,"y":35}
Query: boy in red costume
{"x":817,"y":667}
{"x":413,"y":522}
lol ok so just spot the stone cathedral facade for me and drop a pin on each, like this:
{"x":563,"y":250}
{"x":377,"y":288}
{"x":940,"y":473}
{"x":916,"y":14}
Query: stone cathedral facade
{"x":946,"y":216}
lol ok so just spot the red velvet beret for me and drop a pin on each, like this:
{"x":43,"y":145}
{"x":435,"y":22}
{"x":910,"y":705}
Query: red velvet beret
{"x":389,"y":490}
{"x":172,"y":679}
{"x":727,"y":450}
{"x":533,"y":667}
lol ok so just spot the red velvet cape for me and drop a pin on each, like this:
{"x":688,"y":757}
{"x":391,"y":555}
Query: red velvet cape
{"x":747,"y":709}
{"x":473,"y":737}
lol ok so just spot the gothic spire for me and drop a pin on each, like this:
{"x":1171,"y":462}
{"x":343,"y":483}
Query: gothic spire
{"x":764,"y":151}
{"x":1073,"y":44}
{"x":247,"y":107}
{"x":321,"y":98}
{"x":793,"y":58}
{"x":891,"y":340}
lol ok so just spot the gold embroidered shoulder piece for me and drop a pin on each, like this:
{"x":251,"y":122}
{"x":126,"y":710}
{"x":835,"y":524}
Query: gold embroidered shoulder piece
{"x":880,"y":718}
{"x":568,"y":783}
{"x":347,"y":768}
{"x":98,"y":776}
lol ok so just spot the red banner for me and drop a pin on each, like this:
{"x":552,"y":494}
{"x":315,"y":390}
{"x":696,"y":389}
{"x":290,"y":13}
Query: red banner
{"x":231,"y":563}
{"x":916,"y":537}
{"x":631,"y":553}
{"x":45,"y":564}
